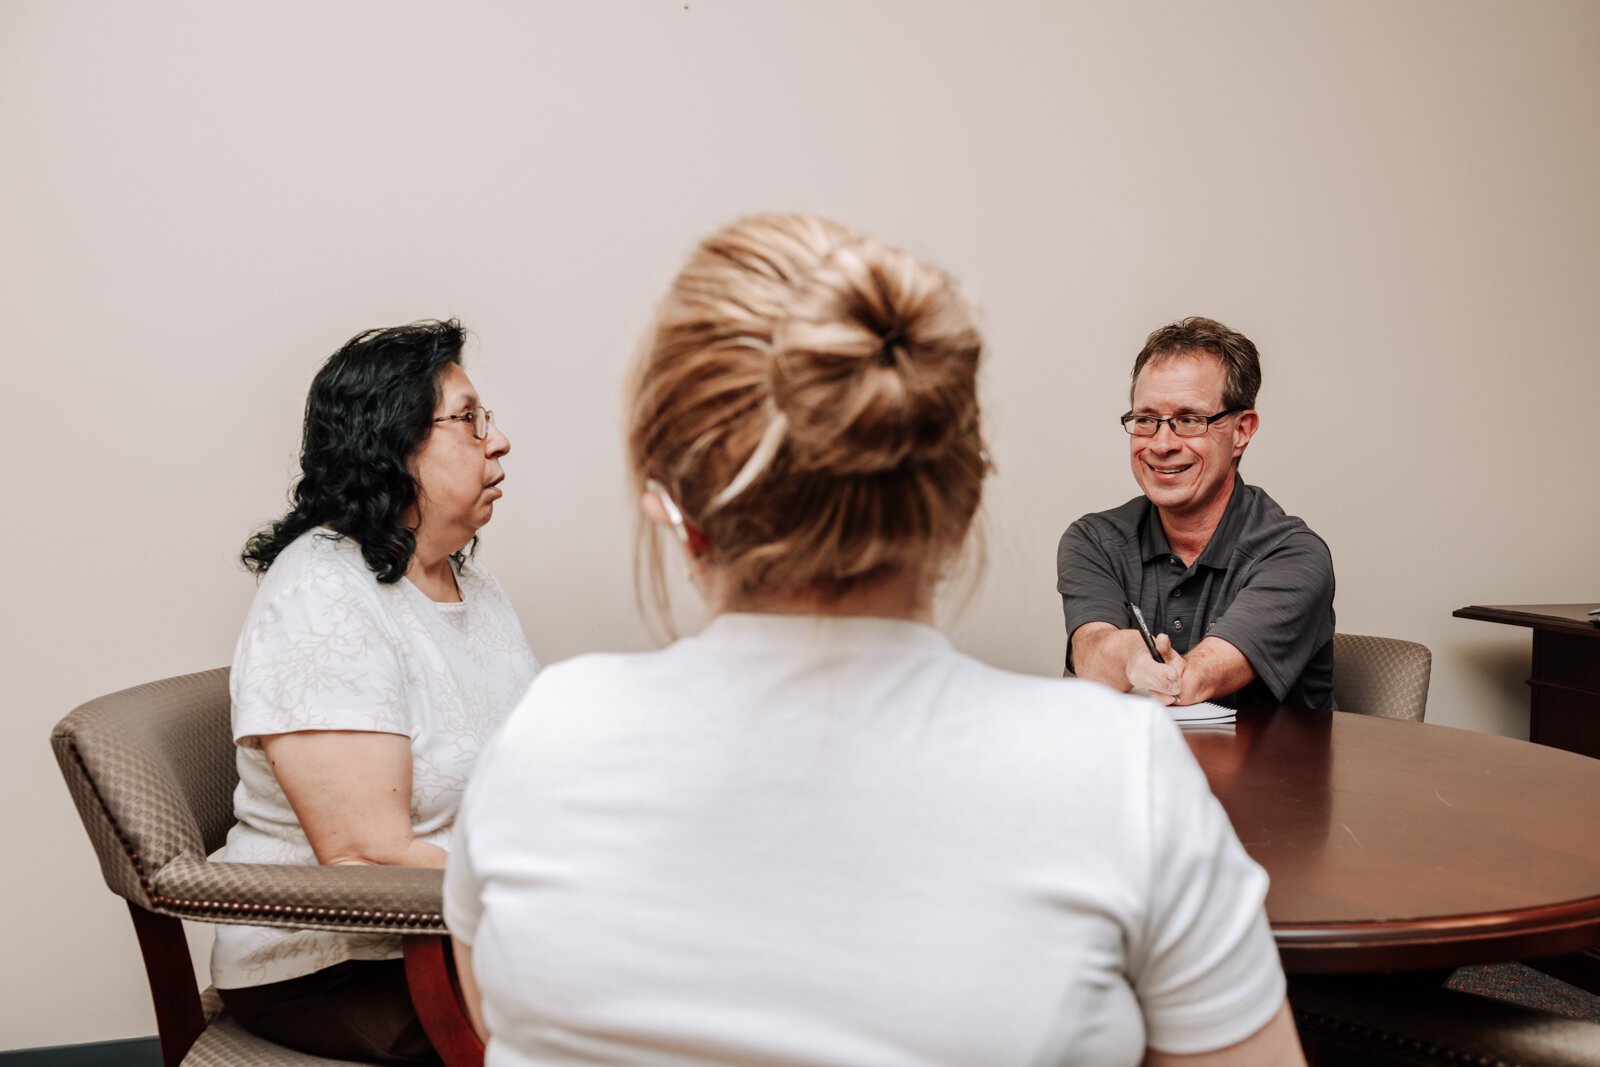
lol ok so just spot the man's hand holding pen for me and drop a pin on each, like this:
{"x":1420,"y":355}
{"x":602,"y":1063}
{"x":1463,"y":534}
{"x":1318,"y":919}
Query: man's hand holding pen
{"x":1161,"y":671}
{"x":1164,"y":678}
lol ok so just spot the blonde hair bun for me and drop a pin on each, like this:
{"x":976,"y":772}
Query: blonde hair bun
{"x":874,"y":366}
{"x":808,"y":398}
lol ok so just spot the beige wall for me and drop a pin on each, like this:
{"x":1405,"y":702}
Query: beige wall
{"x":199,"y":201}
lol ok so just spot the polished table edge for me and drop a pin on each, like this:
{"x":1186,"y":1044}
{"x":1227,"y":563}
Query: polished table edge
{"x":1419,"y":951}
{"x":1550,"y":918}
{"x":1452,"y":941}
{"x":1342,"y":948}
{"x":1532,"y":620}
{"x":1553,"y":929}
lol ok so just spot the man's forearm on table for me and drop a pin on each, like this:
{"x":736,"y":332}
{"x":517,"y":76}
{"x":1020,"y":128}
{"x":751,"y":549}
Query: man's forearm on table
{"x":1214,"y":668}
{"x":1098,"y":653}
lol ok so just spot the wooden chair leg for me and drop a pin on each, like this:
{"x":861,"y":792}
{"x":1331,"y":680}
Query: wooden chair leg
{"x":436,"y":994}
{"x":179,"y":1019}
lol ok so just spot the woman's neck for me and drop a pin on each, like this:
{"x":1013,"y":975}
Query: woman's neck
{"x":908,"y":597}
{"x":435,"y":576}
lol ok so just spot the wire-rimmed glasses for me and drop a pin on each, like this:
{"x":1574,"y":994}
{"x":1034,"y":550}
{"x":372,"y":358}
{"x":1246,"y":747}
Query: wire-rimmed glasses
{"x":480,"y":418}
{"x":1182,"y":425}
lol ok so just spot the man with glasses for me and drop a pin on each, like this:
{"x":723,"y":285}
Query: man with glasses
{"x":1238,"y":594}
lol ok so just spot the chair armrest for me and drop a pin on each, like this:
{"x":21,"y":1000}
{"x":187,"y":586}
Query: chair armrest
{"x":351,"y":898}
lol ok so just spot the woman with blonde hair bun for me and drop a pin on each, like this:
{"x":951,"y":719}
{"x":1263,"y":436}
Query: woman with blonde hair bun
{"x":815,"y":833}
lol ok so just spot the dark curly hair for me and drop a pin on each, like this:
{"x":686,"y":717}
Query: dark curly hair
{"x":370,"y":408}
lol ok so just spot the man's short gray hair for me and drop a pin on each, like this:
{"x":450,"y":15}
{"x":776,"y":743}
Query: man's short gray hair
{"x":1195,"y":334}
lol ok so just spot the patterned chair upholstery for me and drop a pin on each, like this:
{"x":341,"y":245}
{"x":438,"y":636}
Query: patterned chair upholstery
{"x":1381,"y":676}
{"x":152,"y":772}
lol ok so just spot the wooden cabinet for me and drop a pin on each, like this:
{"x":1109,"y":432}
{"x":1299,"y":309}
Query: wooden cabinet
{"x":1564,"y":703}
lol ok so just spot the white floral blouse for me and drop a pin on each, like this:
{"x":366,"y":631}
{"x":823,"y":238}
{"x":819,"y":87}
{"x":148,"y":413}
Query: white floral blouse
{"x":327,"y":647}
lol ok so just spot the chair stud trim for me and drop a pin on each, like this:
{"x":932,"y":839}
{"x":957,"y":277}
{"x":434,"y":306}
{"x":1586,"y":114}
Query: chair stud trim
{"x":200,"y":909}
{"x":1402,"y":1042}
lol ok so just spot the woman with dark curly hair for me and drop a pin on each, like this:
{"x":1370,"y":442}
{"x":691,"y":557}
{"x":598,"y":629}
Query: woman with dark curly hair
{"x":375,"y":662}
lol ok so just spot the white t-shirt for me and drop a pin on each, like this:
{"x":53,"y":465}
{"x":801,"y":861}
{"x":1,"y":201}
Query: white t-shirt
{"x":327,"y":647}
{"x":837,"y":841}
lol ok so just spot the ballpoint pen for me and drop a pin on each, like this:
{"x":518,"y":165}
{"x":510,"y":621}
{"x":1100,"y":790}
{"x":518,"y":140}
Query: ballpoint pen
{"x":1144,"y":631}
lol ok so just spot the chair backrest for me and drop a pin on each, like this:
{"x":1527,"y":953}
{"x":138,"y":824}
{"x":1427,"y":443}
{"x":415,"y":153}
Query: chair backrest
{"x":1382,"y":676}
{"x":152,"y":770}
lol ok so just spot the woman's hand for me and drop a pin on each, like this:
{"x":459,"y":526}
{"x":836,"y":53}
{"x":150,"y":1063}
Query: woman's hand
{"x":352,"y":793}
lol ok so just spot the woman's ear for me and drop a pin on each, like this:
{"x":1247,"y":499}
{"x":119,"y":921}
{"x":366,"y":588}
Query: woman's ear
{"x":661,"y":509}
{"x":654,"y":510}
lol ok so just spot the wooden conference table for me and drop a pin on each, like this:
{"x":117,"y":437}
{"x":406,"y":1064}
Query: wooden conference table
{"x":1402,"y":846}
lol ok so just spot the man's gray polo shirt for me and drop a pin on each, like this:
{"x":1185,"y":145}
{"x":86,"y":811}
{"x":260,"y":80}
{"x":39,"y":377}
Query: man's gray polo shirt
{"x":1264,"y":584}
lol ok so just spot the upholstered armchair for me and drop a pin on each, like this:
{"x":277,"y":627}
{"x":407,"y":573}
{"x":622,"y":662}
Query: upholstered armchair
{"x":152,"y":772}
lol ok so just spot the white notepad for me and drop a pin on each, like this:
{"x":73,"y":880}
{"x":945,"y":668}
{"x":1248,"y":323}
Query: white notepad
{"x":1202,"y":714}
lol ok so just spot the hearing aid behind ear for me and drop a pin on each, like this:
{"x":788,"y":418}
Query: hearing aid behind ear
{"x":670,"y":506}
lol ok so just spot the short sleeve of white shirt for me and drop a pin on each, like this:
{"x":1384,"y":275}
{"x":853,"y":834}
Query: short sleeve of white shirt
{"x":1206,"y":969}
{"x":319,"y":656}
